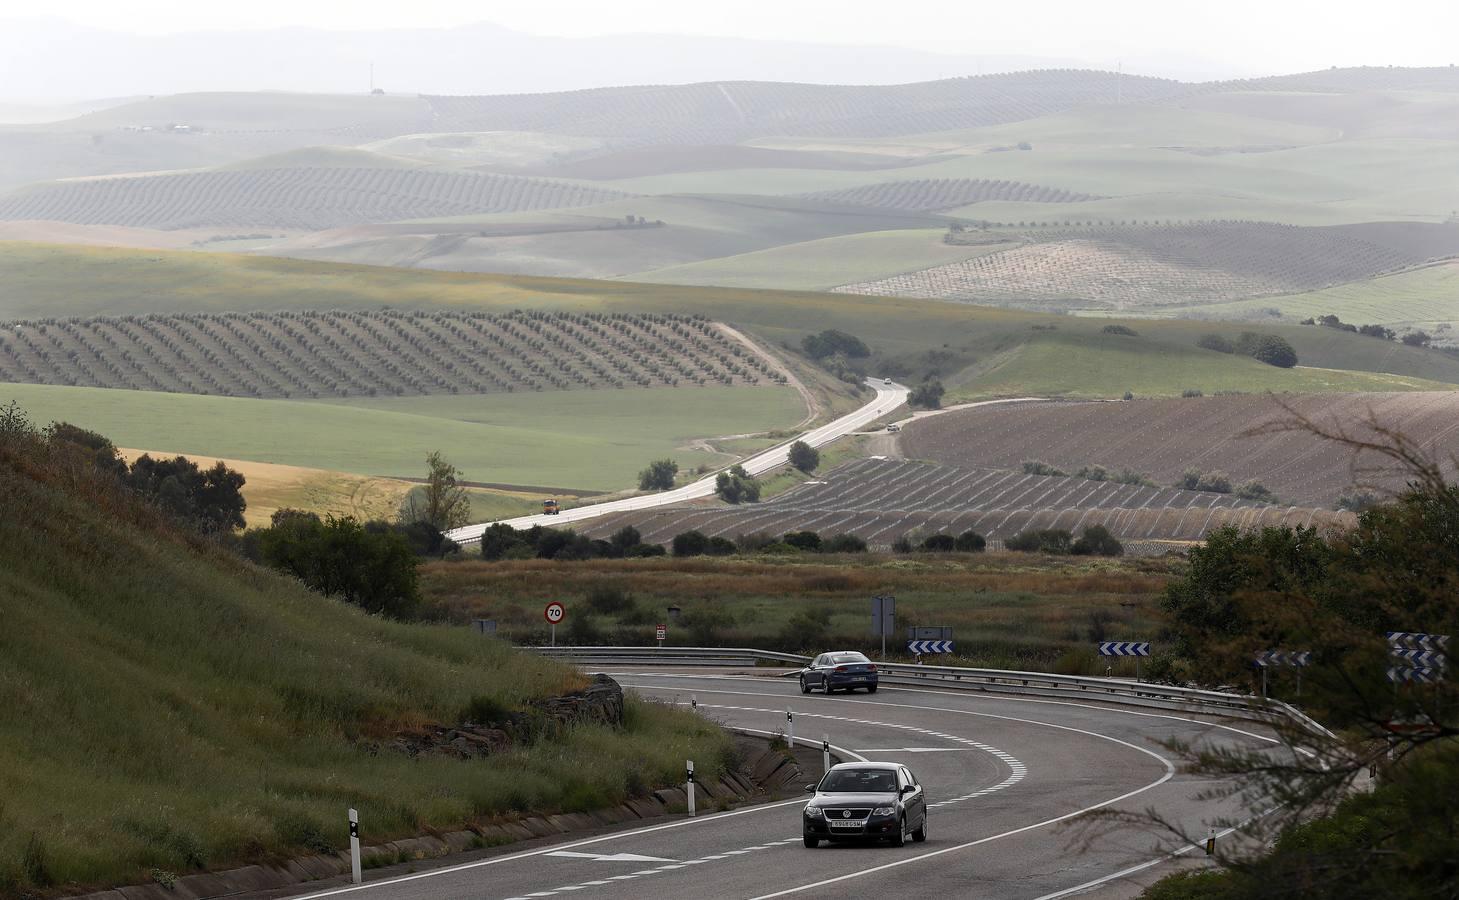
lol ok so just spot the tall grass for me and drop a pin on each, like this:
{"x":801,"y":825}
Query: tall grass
{"x":167,"y":705}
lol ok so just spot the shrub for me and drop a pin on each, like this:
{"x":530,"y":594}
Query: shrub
{"x":1093,"y":473}
{"x":804,"y":457}
{"x":659,"y":476}
{"x":1212,"y":482}
{"x":644,"y":550}
{"x":737,"y":486}
{"x":1358,"y":502}
{"x":625,"y":538}
{"x":754,"y":541}
{"x":1216,"y":342}
{"x":1048,"y":540}
{"x":690,"y":543}
{"x":583,"y":630}
{"x":928,"y":394}
{"x":1376,"y":331}
{"x":372,"y":569}
{"x":1275,"y":351}
{"x":844,"y":543}
{"x":1192,"y":392}
{"x":970,"y":542}
{"x":1036,"y":467}
{"x":720,"y":546}
{"x":1097,"y":541}
{"x":609,"y":600}
{"x":902,"y":544}
{"x":939,"y":543}
{"x":831,"y":342}
{"x":804,"y":540}
{"x":1417,"y":339}
{"x":1129,"y":395}
{"x":1124,"y":330}
{"x":1255,"y":490}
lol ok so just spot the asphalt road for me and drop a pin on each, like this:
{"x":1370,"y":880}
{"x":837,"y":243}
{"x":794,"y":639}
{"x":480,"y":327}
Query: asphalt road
{"x":1005,"y":777}
{"x":888,"y":397}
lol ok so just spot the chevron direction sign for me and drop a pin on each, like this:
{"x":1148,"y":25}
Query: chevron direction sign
{"x":1423,"y":658}
{"x":1284,"y":657}
{"x":1124,"y":648}
{"x":921,"y":647}
{"x":1417,"y":640}
{"x":1416,"y":674}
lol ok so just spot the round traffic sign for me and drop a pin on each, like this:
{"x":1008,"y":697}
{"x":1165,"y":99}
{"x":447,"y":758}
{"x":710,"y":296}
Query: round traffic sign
{"x":554,"y":613}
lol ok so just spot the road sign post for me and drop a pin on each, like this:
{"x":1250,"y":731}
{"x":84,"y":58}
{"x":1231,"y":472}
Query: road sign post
{"x":661,"y":632}
{"x":355,"y":847}
{"x":1297,"y":659}
{"x":918,"y":648}
{"x":554,"y":613}
{"x":1137,"y":649}
{"x":825,"y":753}
{"x":883,"y":619}
{"x":689,"y":783}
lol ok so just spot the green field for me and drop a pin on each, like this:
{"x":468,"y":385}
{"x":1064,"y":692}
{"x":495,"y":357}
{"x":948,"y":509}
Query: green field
{"x":1422,"y":297}
{"x":593,"y":440}
{"x":171,"y":707}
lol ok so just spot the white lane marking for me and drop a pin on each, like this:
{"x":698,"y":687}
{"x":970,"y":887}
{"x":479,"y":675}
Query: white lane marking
{"x":911,"y":749}
{"x":610,"y":857}
{"x":987,"y":697}
{"x":808,"y":742}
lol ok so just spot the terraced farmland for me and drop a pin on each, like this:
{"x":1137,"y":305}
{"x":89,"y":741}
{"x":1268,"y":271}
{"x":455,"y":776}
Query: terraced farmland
{"x":384,"y":353}
{"x":732,"y":111}
{"x":1125,"y":267}
{"x":303,"y":197}
{"x":930,"y":194}
{"x":883,"y":499}
{"x":1162,"y":438}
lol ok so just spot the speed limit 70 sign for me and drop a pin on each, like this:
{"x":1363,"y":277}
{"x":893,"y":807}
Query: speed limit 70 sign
{"x":554,"y":613}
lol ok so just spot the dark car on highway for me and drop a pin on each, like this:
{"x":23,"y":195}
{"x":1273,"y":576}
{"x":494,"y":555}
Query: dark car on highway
{"x":843,"y":669}
{"x":863,"y":802}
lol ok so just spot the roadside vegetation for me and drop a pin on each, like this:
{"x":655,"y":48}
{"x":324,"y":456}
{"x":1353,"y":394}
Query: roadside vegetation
{"x":172,"y":707}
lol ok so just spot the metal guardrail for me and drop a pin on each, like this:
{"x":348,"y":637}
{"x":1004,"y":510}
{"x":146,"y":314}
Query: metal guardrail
{"x":1043,"y":684}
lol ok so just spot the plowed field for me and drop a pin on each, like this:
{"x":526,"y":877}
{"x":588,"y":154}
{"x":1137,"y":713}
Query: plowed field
{"x":883,"y":499}
{"x":1162,"y":438}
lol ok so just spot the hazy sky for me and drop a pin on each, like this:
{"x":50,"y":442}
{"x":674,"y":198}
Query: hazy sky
{"x":1261,"y":35}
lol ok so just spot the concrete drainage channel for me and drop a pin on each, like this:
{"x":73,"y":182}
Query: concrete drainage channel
{"x":765,"y":775}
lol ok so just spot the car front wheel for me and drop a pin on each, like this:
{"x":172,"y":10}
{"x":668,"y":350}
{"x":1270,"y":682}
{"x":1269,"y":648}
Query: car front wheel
{"x":812,"y":842}
{"x":871,"y":689}
{"x":920,"y":834}
{"x":900,"y":837}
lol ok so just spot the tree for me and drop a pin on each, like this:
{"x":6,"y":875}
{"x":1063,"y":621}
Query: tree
{"x":804,"y":457}
{"x":970,"y":542}
{"x":737,"y":486}
{"x":690,"y":543}
{"x":659,"y":476}
{"x":928,"y":394}
{"x":939,"y":543}
{"x":844,"y":543}
{"x":1275,"y":351}
{"x":808,"y":541}
{"x":624,"y":538}
{"x":442,"y":502}
{"x":832,"y":342}
{"x":375,"y":570}
{"x":498,"y":539}
{"x":1097,"y":541}
{"x":1417,"y":339}
{"x":1049,"y":540}
{"x":210,"y":500}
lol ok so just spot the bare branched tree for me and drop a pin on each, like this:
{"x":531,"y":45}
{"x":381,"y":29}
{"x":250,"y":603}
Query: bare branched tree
{"x":442,"y":502}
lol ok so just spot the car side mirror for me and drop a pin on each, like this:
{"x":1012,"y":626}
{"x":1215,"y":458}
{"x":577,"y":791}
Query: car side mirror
{"x":908,"y":788}
{"x":810,"y":789}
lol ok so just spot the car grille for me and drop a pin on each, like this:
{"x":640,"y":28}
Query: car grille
{"x":840,"y":813}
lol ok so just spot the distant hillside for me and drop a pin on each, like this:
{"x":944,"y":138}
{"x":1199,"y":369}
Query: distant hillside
{"x":946,"y":193}
{"x":728,"y":112}
{"x":307,"y":197}
{"x":1121,"y":267}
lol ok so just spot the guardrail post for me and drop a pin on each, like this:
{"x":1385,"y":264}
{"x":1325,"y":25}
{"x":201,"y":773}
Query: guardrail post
{"x":1211,"y":842}
{"x":689,"y":784}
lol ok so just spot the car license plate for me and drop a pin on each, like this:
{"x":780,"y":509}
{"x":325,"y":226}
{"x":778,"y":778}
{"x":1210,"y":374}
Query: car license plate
{"x":845,"y":823}
{"x":859,"y":678}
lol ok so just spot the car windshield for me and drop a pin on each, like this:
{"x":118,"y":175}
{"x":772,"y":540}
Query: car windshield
{"x":842,"y":658}
{"x":859,"y":781}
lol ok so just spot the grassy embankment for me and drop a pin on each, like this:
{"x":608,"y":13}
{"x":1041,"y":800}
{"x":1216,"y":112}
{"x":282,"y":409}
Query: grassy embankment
{"x":171,"y":707}
{"x":1007,"y":610}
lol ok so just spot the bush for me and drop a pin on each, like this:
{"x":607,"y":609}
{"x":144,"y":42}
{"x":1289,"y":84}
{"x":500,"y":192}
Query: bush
{"x":970,"y":542}
{"x":1097,"y":541}
{"x":1048,"y":540}
{"x":609,"y":600}
{"x":1124,"y":330}
{"x":498,"y":539}
{"x":1129,"y":395}
{"x":1036,"y":467}
{"x":1275,"y":351}
{"x":928,"y":394}
{"x":939,"y":543}
{"x":1255,"y":490}
{"x":737,"y":486}
{"x":804,"y":457}
{"x":1211,"y":482}
{"x":807,"y":628}
{"x":1358,"y":502}
{"x":659,"y":476}
{"x":902,"y":544}
{"x":808,"y":541}
{"x":1192,"y":392}
{"x":644,"y":550}
{"x":720,"y":546}
{"x":831,"y":342}
{"x":1417,"y":339}
{"x":754,"y":541}
{"x":1216,"y":342}
{"x":625,"y":539}
{"x":844,"y":543}
{"x":690,"y":543}
{"x":372,"y":569}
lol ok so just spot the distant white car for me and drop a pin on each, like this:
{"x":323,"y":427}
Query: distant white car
{"x":894,"y":427}
{"x":886,"y":381}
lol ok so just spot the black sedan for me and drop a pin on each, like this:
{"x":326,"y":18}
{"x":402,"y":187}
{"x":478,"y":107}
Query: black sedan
{"x":865,"y":801}
{"x":845,"y":669}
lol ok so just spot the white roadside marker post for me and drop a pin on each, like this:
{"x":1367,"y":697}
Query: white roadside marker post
{"x":825,"y":753}
{"x":1211,"y":842}
{"x":789,"y":729}
{"x":694,"y":703}
{"x":355,"y":846}
{"x":689,"y":784}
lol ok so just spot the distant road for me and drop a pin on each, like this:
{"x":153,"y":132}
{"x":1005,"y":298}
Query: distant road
{"x":888,"y":397}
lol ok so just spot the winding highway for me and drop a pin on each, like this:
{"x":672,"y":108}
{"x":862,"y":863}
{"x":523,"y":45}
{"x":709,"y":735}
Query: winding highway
{"x":1005,"y":778}
{"x":888,"y":397}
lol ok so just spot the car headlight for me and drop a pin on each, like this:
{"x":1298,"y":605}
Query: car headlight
{"x":884,"y":811}
{"x":813,"y":812}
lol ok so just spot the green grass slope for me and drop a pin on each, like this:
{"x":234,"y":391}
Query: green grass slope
{"x":171,"y":707}
{"x":592,"y":440}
